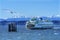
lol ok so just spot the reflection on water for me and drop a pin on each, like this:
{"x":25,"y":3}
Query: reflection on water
{"x":25,"y":34}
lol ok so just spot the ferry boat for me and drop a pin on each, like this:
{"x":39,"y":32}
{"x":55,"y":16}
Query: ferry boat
{"x":43,"y":23}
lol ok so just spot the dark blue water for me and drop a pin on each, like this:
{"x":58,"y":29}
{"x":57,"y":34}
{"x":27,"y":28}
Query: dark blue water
{"x":25,"y":34}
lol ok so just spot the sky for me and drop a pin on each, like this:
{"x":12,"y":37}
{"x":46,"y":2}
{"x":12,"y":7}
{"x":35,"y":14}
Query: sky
{"x":29,"y":8}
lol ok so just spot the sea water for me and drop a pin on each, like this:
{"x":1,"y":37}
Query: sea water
{"x":25,"y":34}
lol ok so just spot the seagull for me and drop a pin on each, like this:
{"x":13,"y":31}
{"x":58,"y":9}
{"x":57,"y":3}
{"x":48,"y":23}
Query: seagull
{"x":7,"y":10}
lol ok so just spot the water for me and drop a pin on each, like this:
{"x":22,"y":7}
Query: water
{"x":25,"y":34}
